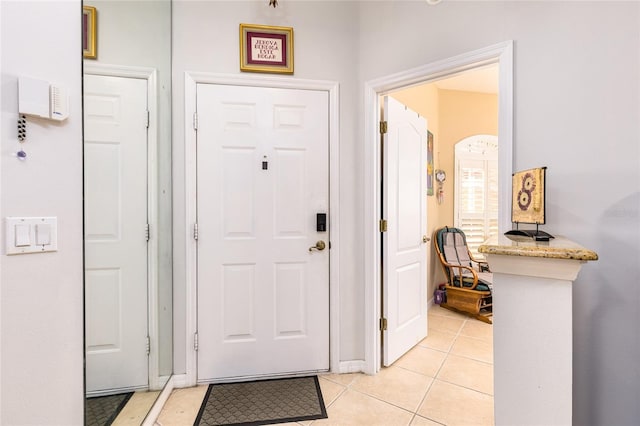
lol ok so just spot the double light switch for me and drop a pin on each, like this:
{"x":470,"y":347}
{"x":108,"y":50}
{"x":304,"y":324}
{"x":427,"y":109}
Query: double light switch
{"x":31,"y":235}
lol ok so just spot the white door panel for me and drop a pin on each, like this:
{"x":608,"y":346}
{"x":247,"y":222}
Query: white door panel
{"x":262,"y":175}
{"x":404,"y":251}
{"x":115,"y":171}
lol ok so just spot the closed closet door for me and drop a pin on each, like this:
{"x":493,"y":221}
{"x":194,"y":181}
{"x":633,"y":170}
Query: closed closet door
{"x":115,"y":191}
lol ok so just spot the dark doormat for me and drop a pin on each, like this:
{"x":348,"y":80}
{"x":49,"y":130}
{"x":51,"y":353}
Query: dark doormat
{"x":262,"y":402}
{"x":103,"y":410}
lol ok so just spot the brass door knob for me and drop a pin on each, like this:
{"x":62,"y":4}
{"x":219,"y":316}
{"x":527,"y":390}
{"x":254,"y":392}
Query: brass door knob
{"x":425,"y":239}
{"x":320,"y":245}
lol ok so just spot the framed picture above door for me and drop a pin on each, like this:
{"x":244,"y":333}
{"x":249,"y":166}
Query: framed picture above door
{"x":266,"y":49}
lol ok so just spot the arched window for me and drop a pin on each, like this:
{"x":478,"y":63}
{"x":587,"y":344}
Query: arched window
{"x":476,"y":189}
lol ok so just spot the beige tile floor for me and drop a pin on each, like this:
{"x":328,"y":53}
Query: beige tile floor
{"x":136,"y":409}
{"x":447,"y":379}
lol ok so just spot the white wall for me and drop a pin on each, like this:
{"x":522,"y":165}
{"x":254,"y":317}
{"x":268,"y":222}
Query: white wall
{"x":41,"y":367}
{"x":205,"y":38}
{"x":577,"y":111}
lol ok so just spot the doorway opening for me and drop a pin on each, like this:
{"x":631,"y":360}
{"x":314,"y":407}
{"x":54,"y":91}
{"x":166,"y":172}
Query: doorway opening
{"x":500,"y":56}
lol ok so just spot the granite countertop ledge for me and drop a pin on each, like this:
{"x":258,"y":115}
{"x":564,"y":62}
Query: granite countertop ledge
{"x":557,"y":248}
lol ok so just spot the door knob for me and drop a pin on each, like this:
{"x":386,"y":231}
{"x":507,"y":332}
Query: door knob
{"x":425,"y":239}
{"x":320,"y":245}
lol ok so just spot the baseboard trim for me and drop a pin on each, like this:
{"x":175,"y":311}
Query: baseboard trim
{"x":355,"y":366}
{"x":430,"y":304}
{"x":155,"y":410}
{"x":180,"y":381}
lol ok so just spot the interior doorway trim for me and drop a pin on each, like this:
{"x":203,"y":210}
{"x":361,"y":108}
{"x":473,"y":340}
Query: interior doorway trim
{"x":501,"y":54}
{"x":151,"y":76}
{"x":191,"y":80}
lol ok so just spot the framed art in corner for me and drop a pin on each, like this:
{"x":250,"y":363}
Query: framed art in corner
{"x":265,"y":48}
{"x":429,"y":163}
{"x":89,"y":43}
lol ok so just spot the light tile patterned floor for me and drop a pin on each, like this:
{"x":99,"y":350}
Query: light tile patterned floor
{"x":136,"y":409}
{"x":447,"y":379}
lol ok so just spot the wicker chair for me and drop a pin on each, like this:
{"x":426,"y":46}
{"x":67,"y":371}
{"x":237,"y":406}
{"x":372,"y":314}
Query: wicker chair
{"x":468,"y":287}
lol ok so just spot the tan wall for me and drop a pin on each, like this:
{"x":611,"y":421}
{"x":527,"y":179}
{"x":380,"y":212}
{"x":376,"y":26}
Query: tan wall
{"x":462,"y":114}
{"x":451,"y":116}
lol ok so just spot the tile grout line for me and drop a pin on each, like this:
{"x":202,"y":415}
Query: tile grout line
{"x":386,"y":402}
{"x":448,"y":353}
{"x":348,"y":387}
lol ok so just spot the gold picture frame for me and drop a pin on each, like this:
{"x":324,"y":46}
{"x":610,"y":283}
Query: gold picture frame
{"x":89,"y":42}
{"x":266,"y":48}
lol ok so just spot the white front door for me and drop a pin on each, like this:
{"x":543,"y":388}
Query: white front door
{"x":262,"y":177}
{"x":115,"y":218}
{"x":404,"y":243}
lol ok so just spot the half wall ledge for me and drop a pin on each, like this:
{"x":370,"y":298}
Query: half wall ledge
{"x":533,"y":328}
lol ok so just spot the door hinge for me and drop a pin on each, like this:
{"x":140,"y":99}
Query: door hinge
{"x":195,"y":121}
{"x":195,"y":231}
{"x":383,"y":324}
{"x":195,"y":342}
{"x":383,"y":127}
{"x":147,"y":232}
{"x":148,"y":119}
{"x":383,"y":225}
{"x":148,"y":345}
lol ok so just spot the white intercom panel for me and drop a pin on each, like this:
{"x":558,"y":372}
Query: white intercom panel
{"x":39,"y":98}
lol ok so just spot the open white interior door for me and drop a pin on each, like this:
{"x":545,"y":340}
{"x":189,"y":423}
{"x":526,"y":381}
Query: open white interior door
{"x":404,"y":243}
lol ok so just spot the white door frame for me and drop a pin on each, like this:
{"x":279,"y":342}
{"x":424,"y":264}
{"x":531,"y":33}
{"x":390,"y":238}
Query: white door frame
{"x":501,"y":54}
{"x":151,"y":76}
{"x":191,"y":79}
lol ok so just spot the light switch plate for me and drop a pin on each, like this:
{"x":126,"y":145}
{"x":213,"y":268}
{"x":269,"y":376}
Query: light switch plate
{"x":43,"y":234}
{"x":31,"y":235}
{"x":23,"y":235}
